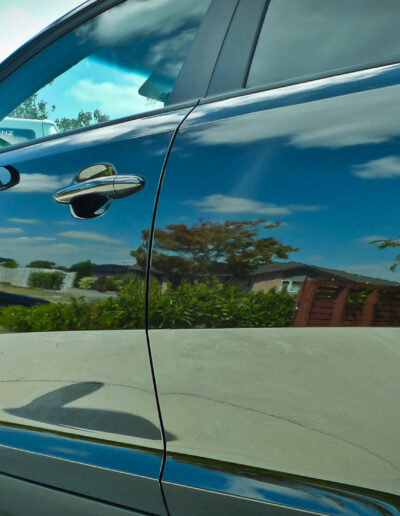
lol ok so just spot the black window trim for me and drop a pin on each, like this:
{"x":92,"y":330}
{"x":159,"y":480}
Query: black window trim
{"x":237,"y":52}
{"x":242,"y":91}
{"x":197,"y":70}
{"x":221,"y":85}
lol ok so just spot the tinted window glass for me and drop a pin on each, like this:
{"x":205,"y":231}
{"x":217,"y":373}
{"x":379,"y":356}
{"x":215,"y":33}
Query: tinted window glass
{"x":123,"y":62}
{"x":308,"y":37}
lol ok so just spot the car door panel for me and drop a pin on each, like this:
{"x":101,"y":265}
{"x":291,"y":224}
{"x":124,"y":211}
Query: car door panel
{"x":93,"y":388}
{"x":301,"y":165}
{"x":78,"y":407}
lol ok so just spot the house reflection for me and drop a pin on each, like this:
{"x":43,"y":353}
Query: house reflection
{"x":315,"y":296}
{"x":329,"y":297}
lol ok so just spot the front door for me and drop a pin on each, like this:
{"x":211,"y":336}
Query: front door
{"x":77,"y":403}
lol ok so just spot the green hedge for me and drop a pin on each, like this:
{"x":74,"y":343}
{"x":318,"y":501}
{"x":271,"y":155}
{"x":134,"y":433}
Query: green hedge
{"x":210,"y":304}
{"x":47,"y":280}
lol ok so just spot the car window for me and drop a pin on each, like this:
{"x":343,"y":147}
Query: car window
{"x":123,"y":62}
{"x":301,"y":39}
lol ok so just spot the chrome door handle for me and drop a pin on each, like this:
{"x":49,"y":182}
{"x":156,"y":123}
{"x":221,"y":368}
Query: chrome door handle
{"x":113,"y":187}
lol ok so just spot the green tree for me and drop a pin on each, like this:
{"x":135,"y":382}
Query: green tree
{"x":9,"y":263}
{"x":82,"y":269}
{"x":389,"y":242}
{"x":229,"y":249}
{"x":31,"y":108}
{"x":84,"y":119}
{"x":35,"y":109}
{"x":42,"y":264}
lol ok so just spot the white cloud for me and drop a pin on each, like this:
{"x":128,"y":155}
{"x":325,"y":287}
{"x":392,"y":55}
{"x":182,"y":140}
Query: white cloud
{"x":175,"y":49}
{"x":26,"y":240}
{"x":23,"y":221}
{"x":132,"y":18}
{"x":371,"y":238}
{"x":20,"y":20}
{"x":219,"y":203}
{"x":320,"y":123}
{"x":11,"y":231}
{"x":383,"y":168}
{"x":116,"y":100}
{"x":39,"y":183}
{"x":88,"y":235}
{"x":170,"y":25}
{"x":64,"y":247}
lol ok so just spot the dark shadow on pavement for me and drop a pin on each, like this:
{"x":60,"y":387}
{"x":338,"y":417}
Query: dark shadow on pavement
{"x":49,"y":408}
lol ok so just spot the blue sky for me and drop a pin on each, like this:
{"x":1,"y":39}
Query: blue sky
{"x":92,"y":84}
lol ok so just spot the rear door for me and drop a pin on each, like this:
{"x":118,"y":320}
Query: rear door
{"x":77,"y":405}
{"x":274,"y":321}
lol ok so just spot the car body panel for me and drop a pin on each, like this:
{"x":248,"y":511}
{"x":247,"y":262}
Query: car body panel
{"x":321,"y":403}
{"x":18,"y":498}
{"x":92,"y":386}
{"x":227,"y":414}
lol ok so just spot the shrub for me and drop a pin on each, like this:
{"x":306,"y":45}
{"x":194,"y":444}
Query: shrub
{"x":82,"y":269}
{"x":46,"y":280}
{"x":119,"y":281}
{"x":87,"y":282}
{"x":210,"y":304}
{"x":42,"y":264}
{"x":9,"y":263}
{"x":113,"y":283}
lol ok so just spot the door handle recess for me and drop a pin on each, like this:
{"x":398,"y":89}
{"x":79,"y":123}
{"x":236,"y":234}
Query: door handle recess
{"x":113,"y":187}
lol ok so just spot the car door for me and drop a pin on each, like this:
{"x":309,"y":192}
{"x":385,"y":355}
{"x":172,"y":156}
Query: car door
{"x":80,"y":430}
{"x":274,"y":303}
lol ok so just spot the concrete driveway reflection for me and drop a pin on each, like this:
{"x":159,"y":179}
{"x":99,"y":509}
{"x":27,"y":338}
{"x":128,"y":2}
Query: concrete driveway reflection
{"x":87,"y":383}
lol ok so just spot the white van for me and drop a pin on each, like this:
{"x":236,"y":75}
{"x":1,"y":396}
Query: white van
{"x":18,"y":130}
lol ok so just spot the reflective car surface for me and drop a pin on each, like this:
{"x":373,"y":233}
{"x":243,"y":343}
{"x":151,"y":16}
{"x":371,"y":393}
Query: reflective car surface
{"x":199,"y":283}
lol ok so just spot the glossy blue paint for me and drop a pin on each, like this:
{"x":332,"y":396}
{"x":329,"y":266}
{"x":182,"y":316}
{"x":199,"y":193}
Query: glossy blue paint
{"x":317,"y":165}
{"x":303,"y":495}
{"x":107,"y":456}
